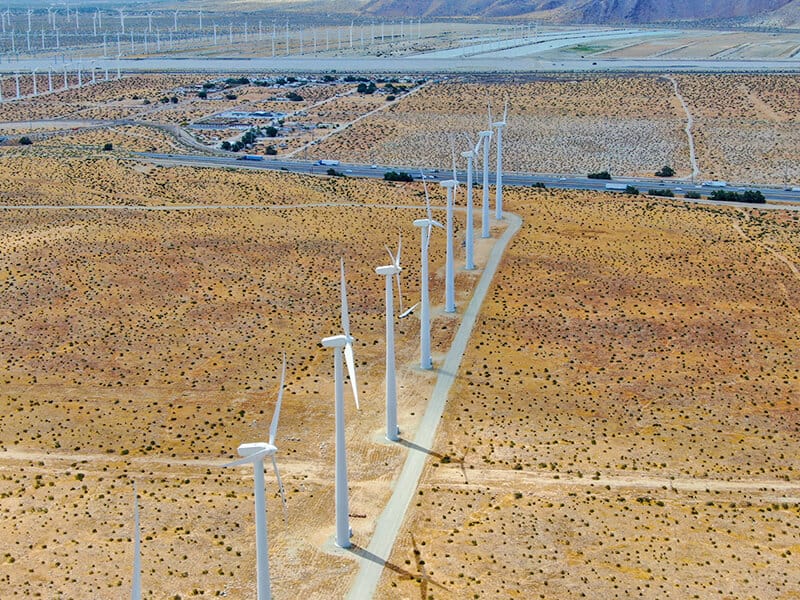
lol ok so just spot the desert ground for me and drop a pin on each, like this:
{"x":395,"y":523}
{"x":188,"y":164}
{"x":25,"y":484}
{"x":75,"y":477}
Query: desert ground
{"x":145,"y":346}
{"x":744,"y":127}
{"x":626,"y":417}
{"x":641,"y":354}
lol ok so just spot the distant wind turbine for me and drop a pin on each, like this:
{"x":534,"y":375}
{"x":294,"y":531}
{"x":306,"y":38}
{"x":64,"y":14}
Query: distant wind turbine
{"x":342,"y":345}
{"x":498,"y":191}
{"x":255,"y":453}
{"x":390,"y":271}
{"x":426,"y":225}
{"x":470,"y":155}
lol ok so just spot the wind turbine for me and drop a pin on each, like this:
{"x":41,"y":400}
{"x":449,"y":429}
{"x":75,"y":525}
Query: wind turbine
{"x":254,"y":453}
{"x":425,"y":225}
{"x":342,"y":344}
{"x":470,"y":155}
{"x":136,"y":580}
{"x":485,"y":137}
{"x":449,"y":270}
{"x":388,"y":271}
{"x":498,"y":198}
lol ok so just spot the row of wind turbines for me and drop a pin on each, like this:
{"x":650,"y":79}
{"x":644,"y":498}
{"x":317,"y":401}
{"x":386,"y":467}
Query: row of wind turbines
{"x":256,"y":453}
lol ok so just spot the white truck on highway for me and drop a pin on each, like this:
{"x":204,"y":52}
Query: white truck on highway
{"x":616,"y":187}
{"x":328,"y":163}
{"x":715,"y":183}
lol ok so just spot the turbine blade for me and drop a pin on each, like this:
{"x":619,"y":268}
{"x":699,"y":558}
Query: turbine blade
{"x":136,"y":583}
{"x":399,"y":250}
{"x":345,"y":315}
{"x":280,"y":484}
{"x":408,"y":311}
{"x":453,"y":149}
{"x":391,"y":256}
{"x":247,"y":460}
{"x":427,"y":197}
{"x":351,"y":370}
{"x":273,"y":428}
{"x":437,"y":224}
{"x":399,"y":292}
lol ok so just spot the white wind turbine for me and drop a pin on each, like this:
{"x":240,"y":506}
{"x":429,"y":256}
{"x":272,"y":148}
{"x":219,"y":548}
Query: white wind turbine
{"x":485,"y":138}
{"x":449,"y":270}
{"x":498,"y":191}
{"x":342,"y":344}
{"x":470,"y":155}
{"x":255,"y":453}
{"x":389,"y":271}
{"x":426,"y":225}
{"x":136,"y":581}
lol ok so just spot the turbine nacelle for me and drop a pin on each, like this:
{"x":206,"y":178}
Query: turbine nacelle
{"x":427,"y":223}
{"x":255,"y":450}
{"x":388,"y":270}
{"x":337,"y":341}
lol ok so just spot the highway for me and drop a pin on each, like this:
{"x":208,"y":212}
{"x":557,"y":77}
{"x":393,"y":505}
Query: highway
{"x":550,"y":180}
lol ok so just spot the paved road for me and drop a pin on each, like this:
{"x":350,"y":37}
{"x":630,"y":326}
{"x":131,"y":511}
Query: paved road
{"x":551,"y":180}
{"x":415,"y":65}
{"x":373,"y":558}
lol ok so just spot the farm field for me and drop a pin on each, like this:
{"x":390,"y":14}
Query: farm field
{"x":625,"y":420}
{"x":145,"y":346}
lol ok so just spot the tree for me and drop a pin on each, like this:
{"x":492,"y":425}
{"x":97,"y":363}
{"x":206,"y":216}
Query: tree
{"x":226,"y":145}
{"x":665,"y":171}
{"x":693,"y":195}
{"x":270,"y":151}
{"x":202,"y":94}
{"x":630,"y":190}
{"x":271,"y":131}
{"x":108,"y":146}
{"x":25,"y":141}
{"x":395,"y":176}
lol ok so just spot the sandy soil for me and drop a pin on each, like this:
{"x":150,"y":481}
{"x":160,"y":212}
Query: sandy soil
{"x":626,"y":423}
{"x":145,"y":346}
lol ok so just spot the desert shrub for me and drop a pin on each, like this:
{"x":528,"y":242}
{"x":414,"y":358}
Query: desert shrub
{"x":663,"y":193}
{"x":693,"y":195}
{"x":633,"y":191}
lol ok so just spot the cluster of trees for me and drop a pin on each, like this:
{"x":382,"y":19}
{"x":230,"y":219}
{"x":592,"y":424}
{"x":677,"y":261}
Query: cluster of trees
{"x":166,"y":100}
{"x":366,"y":88}
{"x":665,"y":171}
{"x":395,"y":176}
{"x":599,"y":175}
{"x":294,"y":96}
{"x":748,"y":196}
{"x":663,"y":193}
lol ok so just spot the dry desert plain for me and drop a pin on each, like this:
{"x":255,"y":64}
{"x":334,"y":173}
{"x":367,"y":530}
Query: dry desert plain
{"x":744,"y":127}
{"x":640,"y":354}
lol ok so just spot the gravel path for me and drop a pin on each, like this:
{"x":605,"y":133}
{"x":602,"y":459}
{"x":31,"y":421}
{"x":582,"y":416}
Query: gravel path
{"x":373,"y":558}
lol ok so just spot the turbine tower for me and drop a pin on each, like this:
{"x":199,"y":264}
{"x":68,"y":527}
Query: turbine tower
{"x":425,"y":225}
{"x":498,"y":192}
{"x":342,"y":344}
{"x":485,"y":137}
{"x":254,"y":453}
{"x":470,"y":155}
{"x":136,"y":583}
{"x":449,"y":270}
{"x":388,"y":271}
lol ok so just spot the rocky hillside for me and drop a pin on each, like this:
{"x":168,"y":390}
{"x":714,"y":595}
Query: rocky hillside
{"x":585,"y":11}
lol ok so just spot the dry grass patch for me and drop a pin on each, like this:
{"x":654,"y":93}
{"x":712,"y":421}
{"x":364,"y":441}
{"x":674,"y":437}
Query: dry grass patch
{"x":625,"y":420}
